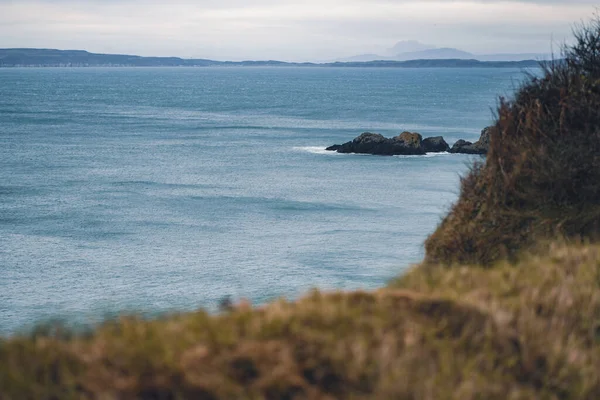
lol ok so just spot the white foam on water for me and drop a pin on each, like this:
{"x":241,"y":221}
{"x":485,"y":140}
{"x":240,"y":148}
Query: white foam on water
{"x":426,"y":155}
{"x":443,"y":153}
{"x":321,"y":150}
{"x":316,"y":150}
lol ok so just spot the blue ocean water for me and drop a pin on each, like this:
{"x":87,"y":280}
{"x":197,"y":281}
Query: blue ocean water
{"x":158,"y":190}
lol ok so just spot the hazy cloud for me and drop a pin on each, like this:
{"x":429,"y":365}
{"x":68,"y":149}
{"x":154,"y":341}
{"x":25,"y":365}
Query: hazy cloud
{"x":294,"y":30}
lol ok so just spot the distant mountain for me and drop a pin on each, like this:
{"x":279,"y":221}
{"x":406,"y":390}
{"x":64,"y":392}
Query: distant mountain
{"x":414,"y":50}
{"x":436,"y":54}
{"x":80,"y":58}
{"x":427,"y":54}
{"x":445,"y":63}
{"x":408,"y":46}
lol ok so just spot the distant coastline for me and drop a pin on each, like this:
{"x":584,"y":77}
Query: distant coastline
{"x":14,"y":58}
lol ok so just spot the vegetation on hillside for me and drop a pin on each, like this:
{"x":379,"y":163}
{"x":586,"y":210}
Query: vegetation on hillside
{"x":524,"y":332}
{"x":528,"y":326}
{"x":541,"y":177}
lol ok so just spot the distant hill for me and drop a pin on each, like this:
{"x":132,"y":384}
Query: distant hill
{"x":408,"y":46}
{"x":62,"y":58}
{"x":414,"y":50}
{"x":81,"y":58}
{"x":436,"y":54}
{"x":515,"y":57}
{"x":424,"y":54}
{"x":445,"y":63}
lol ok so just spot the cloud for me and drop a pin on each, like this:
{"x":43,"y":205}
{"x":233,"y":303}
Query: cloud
{"x":308,"y":29}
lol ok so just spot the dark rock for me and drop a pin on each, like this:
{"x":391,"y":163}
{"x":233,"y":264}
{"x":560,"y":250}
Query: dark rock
{"x":435,"y":144}
{"x":486,"y":135}
{"x":464,"y":147}
{"x":365,"y":143}
{"x":407,"y":143}
{"x":479,"y":147}
{"x":411,"y":143}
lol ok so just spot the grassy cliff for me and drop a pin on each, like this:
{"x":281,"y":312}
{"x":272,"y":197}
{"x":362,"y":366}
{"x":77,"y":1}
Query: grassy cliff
{"x":496,"y":311}
{"x":541,"y":178}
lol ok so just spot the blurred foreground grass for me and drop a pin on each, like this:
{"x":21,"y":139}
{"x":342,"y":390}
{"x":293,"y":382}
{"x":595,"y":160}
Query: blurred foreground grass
{"x":517,"y":331}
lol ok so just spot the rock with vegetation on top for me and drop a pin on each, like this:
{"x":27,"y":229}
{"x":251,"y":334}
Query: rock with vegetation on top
{"x":407,"y":143}
{"x":411,"y":140}
{"x":411,"y":143}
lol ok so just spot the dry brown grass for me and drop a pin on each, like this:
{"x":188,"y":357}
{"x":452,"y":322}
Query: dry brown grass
{"x":541,"y":178}
{"x":513,"y":332}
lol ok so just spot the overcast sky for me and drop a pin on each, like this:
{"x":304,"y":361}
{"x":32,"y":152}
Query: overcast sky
{"x":287,"y":30}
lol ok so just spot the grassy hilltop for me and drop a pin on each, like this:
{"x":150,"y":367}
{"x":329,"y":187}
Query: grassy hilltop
{"x":506,"y":304}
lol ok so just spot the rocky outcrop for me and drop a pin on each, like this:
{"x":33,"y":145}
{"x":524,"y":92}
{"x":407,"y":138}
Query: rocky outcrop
{"x":411,"y":143}
{"x":407,"y":143}
{"x":479,"y":147}
{"x":435,"y":144}
{"x":465,"y":147}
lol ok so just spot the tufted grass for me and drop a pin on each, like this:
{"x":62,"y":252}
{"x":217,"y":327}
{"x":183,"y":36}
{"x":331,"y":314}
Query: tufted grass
{"x":541,"y":177}
{"x":530,"y":330}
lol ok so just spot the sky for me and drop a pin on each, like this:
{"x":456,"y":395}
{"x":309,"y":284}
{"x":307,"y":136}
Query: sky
{"x":307,"y":30}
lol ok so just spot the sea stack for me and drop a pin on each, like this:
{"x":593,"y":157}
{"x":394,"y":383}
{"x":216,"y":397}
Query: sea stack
{"x":407,"y":143}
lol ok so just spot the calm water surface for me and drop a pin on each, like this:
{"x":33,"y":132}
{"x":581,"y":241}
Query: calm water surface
{"x":157,"y":190}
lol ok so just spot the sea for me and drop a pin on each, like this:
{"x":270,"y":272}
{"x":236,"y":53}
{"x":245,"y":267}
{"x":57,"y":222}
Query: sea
{"x":151,"y":191}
